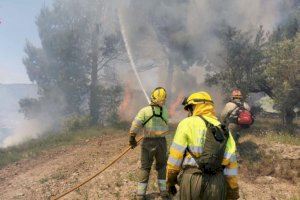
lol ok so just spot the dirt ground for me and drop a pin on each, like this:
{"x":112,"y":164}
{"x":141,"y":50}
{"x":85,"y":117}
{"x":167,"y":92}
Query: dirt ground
{"x":267,"y":171}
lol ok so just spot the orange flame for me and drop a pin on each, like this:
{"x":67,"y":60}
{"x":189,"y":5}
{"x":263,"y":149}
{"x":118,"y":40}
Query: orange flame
{"x":126,"y":100}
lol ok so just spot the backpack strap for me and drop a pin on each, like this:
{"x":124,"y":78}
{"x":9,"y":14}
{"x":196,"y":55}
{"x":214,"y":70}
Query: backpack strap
{"x":211,"y":126}
{"x":155,"y":115}
{"x":238,"y":105}
{"x":207,"y":123}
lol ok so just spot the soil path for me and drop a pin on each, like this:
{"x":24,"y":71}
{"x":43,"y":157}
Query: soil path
{"x":59,"y":169}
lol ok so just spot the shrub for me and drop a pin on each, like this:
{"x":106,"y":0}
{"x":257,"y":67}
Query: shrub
{"x":74,"y":123}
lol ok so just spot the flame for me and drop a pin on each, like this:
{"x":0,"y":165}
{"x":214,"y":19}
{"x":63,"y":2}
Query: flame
{"x":126,"y":100}
{"x":175,"y":104}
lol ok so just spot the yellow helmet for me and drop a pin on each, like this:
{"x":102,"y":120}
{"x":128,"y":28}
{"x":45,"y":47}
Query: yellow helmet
{"x":197,"y":98}
{"x":159,"y":94}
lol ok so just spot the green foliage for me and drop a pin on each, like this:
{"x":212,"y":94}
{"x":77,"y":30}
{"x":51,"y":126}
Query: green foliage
{"x":106,"y":104}
{"x":75,"y":123}
{"x":289,"y":27}
{"x":114,"y":121}
{"x":59,"y":66}
{"x":111,"y":100}
{"x":283,"y":75}
{"x":257,"y":65}
{"x":242,"y":57}
{"x":74,"y":62}
{"x":29,"y":107}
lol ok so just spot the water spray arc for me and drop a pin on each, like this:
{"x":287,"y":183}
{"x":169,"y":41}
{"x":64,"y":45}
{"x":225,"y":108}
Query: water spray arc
{"x":127,"y":46}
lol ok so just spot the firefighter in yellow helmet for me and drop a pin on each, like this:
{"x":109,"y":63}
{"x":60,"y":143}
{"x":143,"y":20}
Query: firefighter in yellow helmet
{"x":153,"y":121}
{"x":202,"y":159}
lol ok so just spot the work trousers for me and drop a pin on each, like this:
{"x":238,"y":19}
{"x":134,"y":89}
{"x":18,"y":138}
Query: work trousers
{"x":194,"y":185}
{"x":153,"y":148}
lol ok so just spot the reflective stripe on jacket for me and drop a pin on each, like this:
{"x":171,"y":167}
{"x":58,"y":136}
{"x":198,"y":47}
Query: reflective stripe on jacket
{"x":191,"y":132}
{"x":155,"y":127}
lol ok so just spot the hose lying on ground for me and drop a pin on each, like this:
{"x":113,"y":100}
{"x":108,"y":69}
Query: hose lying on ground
{"x":102,"y":170}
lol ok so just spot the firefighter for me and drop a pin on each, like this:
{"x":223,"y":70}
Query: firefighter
{"x":153,"y":121}
{"x":202,"y":161}
{"x":229,"y":115}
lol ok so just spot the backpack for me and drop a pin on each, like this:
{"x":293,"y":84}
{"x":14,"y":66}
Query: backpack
{"x":242,"y":117}
{"x":210,"y":161}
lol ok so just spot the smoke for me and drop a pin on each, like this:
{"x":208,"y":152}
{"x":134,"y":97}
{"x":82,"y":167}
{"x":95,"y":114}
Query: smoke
{"x":166,"y":25}
{"x":25,"y":130}
{"x":15,"y":128}
{"x":205,"y":18}
{"x":179,"y":37}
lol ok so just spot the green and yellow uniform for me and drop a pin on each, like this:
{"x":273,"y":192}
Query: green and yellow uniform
{"x":152,"y":121}
{"x":191,"y":134}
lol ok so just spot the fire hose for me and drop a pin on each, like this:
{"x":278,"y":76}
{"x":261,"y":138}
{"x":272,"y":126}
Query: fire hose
{"x":102,"y":170}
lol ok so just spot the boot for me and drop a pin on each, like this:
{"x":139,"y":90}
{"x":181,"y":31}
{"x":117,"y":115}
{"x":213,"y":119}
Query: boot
{"x":141,"y":193}
{"x":163,"y":189}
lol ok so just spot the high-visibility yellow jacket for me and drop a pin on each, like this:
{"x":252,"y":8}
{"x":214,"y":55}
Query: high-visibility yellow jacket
{"x":155,"y":127}
{"x":191,"y":132}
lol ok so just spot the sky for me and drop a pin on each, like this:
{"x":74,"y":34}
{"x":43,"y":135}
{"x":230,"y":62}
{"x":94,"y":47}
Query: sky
{"x":17,"y":24}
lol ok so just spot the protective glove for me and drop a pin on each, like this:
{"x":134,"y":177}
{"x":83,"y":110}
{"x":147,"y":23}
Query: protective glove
{"x":132,"y":142}
{"x":232,"y":194}
{"x":172,"y":190}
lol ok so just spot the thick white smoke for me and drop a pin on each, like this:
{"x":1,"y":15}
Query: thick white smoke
{"x":24,"y":130}
{"x":155,"y":27}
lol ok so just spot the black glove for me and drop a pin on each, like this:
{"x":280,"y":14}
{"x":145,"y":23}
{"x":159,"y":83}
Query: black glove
{"x":232,"y":194}
{"x":172,"y":190}
{"x":132,"y":142}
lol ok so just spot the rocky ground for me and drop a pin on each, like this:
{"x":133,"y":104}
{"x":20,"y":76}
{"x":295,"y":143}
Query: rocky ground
{"x":267,"y":171}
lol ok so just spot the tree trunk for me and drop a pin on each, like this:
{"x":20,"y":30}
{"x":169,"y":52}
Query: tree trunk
{"x":94,"y":104}
{"x":94,"y":107}
{"x":288,"y":116}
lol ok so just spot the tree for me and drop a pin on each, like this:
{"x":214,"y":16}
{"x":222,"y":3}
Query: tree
{"x":30,"y":107}
{"x":242,"y":58}
{"x":99,"y":63}
{"x":172,"y":34}
{"x":256,"y":65}
{"x":283,"y":75}
{"x":76,"y":57}
{"x":109,"y":101}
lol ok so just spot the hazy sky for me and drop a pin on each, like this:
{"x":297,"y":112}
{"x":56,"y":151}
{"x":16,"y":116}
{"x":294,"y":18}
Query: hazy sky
{"x":17,"y":24}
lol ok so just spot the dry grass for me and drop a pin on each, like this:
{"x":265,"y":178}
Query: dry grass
{"x":272,"y":130}
{"x":34,"y":147}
